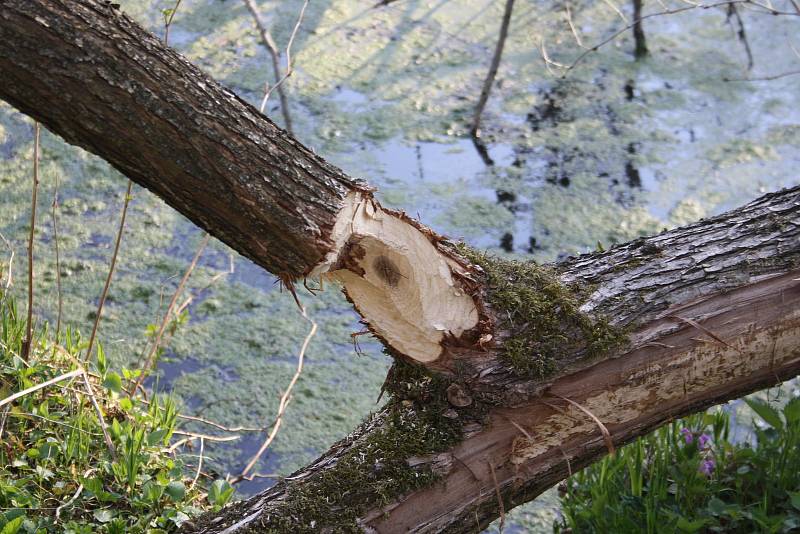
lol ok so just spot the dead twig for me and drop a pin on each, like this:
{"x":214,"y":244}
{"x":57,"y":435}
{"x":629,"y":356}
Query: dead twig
{"x":219,"y":426}
{"x":26,"y":344}
{"x":493,"y":67}
{"x":762,"y":8}
{"x":709,"y":333}
{"x":199,"y":464}
{"x":3,"y":421}
{"x":613,"y":6}
{"x":104,"y":294}
{"x":640,"y":48}
{"x":289,"y":64}
{"x":151,"y":356}
{"x":213,"y":423}
{"x":566,"y":459}
{"x":37,"y":387}
{"x":272,"y":48}
{"x":499,"y":497}
{"x":58,"y":261}
{"x":521,"y":429}
{"x":9,"y":278}
{"x":191,"y":436}
{"x":284,"y":399}
{"x":100,"y":418}
{"x":740,"y":33}
{"x":764,"y":78}
{"x":74,"y":496}
{"x":209,"y":437}
{"x":572,"y":27}
{"x":261,"y":475}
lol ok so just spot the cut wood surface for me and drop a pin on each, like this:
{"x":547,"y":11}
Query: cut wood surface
{"x":503,"y":369}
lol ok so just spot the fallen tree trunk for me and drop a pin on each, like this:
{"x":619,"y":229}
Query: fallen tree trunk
{"x":498,"y":364}
{"x":711,"y":313}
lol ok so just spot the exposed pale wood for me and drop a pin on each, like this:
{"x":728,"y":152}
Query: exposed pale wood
{"x":399,"y":281}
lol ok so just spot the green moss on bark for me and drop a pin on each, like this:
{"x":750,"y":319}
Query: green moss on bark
{"x":541,"y":315}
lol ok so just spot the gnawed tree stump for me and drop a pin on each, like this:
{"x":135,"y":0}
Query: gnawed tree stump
{"x":498,"y":364}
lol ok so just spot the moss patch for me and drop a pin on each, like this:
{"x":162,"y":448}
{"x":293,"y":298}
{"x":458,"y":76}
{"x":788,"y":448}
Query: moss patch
{"x":542,"y":315}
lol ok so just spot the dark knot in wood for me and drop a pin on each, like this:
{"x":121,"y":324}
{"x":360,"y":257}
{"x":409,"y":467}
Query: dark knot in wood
{"x":387,"y":270}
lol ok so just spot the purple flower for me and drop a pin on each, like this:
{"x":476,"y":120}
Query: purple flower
{"x":703,"y":440}
{"x":687,"y":435}
{"x":707,"y":466}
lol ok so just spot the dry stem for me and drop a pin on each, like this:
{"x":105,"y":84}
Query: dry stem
{"x":289,"y":65}
{"x":151,"y":356}
{"x":284,"y":399}
{"x":104,"y":294}
{"x":272,"y":48}
{"x":26,"y":345}
{"x":495,"y":65}
{"x":58,"y":262}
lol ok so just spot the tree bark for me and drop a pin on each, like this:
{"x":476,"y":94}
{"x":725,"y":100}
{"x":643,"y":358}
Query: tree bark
{"x":497,"y":363}
{"x":92,"y":75}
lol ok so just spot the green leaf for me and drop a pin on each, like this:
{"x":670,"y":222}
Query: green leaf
{"x":792,"y":411}
{"x":795,"y":496}
{"x":126,"y":404}
{"x":716,"y":506}
{"x":220,"y":492}
{"x":128,"y":374}
{"x":49,"y":450}
{"x":176,"y":491}
{"x":152,"y":491}
{"x":102,"y":364}
{"x":691,"y":526}
{"x":113,"y":382}
{"x":179,"y":518}
{"x":93,"y":485}
{"x":13,"y":526}
{"x":766,"y":412}
{"x":104,"y":516}
{"x":156,"y":436}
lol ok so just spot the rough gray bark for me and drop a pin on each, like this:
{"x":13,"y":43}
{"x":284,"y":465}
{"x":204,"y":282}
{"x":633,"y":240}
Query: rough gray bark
{"x":96,"y":78}
{"x":709,"y":311}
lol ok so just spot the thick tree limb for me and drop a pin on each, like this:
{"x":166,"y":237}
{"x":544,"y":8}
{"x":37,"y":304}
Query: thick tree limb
{"x":116,"y":90}
{"x":486,"y":350}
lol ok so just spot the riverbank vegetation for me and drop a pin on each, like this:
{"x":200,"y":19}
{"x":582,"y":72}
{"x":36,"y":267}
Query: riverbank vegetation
{"x":78,"y":455}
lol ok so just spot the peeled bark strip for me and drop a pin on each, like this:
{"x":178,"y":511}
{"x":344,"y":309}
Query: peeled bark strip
{"x":486,"y":350}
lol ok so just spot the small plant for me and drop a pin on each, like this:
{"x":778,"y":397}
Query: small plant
{"x":58,"y":473}
{"x":687,"y":477}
